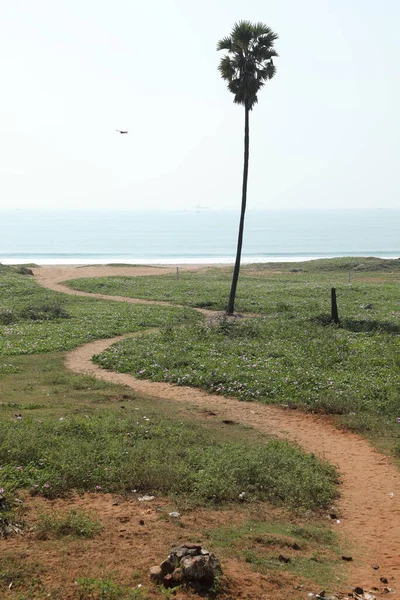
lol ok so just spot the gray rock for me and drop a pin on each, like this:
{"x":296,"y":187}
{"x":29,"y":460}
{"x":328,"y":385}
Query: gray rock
{"x":156,"y":574}
{"x":168,"y":581}
{"x":178,"y":575}
{"x":170,"y":564}
{"x":201,"y":571}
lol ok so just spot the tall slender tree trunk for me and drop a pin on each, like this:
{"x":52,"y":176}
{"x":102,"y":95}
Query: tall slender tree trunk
{"x":232,"y":295}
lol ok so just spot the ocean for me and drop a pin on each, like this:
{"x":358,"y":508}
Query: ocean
{"x":194,"y":236}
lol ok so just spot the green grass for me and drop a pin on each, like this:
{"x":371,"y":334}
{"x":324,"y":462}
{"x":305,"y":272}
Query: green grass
{"x":90,"y":588}
{"x":61,"y":432}
{"x":296,"y":288}
{"x":36,"y":320}
{"x":281,"y":360}
{"x":73,"y":523}
{"x":312,"y":550}
{"x":292,"y":355}
{"x":151,"y":454}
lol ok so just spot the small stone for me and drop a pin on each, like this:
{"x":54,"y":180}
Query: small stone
{"x":358,"y":590}
{"x":295,"y":546}
{"x":170,"y":564}
{"x":178,"y":575}
{"x":168,"y":581}
{"x":7,"y":530}
{"x":284,"y":559}
{"x":174,"y":514}
{"x":190,"y":546}
{"x":383,"y":580}
{"x":146,"y":498}
{"x":141,"y":522}
{"x":375,"y":567}
{"x":347,"y":558}
{"x":156,"y":574}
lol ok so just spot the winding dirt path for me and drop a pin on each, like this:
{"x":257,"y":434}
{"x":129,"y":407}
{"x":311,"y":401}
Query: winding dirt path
{"x":369,"y":506}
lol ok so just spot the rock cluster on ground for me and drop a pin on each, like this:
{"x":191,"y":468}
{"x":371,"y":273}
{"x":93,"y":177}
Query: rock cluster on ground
{"x":188,"y":564}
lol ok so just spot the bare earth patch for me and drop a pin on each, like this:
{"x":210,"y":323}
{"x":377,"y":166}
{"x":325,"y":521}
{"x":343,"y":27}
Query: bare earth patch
{"x":135,"y":536}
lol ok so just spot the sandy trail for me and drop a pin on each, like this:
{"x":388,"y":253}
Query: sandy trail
{"x":369,"y":506}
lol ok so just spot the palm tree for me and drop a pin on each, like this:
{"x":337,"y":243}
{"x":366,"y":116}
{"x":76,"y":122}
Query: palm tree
{"x":247,"y":65}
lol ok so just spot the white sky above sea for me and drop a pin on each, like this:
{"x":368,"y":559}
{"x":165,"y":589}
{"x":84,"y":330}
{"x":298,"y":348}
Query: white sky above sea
{"x":325,"y":134}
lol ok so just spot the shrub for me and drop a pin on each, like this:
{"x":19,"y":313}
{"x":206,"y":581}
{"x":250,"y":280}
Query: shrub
{"x":7,"y":316}
{"x":44,"y":312}
{"x":23,"y":270}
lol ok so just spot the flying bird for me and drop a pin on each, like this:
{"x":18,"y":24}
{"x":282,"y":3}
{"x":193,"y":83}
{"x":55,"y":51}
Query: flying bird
{"x":119,"y":131}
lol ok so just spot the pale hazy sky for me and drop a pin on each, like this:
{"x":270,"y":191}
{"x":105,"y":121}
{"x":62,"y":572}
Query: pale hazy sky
{"x":326,"y":131}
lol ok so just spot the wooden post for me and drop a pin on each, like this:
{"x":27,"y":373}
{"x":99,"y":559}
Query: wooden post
{"x":349,"y":277}
{"x":334,"y":309}
{"x":177,"y":272}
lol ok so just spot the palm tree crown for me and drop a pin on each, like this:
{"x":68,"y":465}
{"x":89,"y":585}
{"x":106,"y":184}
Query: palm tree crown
{"x":249,"y":61}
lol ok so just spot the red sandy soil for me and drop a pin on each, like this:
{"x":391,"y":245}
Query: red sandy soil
{"x":369,"y":506}
{"x":137,"y":535}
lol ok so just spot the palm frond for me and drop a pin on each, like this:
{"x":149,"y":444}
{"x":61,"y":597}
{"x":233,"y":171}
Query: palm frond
{"x":242,"y":34}
{"x":262,"y":29}
{"x":225,"y":44}
{"x":226,"y":68}
{"x":267,"y":39}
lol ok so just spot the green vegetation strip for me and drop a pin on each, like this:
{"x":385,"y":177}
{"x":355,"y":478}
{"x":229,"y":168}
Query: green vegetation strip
{"x":34,"y":320}
{"x":271,"y":360}
{"x":309,"y":551}
{"x":109,"y":452}
{"x":295,"y":288}
{"x":61,"y":431}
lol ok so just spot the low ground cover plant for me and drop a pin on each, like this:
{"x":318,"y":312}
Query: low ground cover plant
{"x":33,"y":319}
{"x":278,"y":360}
{"x":309,"y":551}
{"x":109,"y":452}
{"x":74,"y":523}
{"x":296,"y":288}
{"x":271,"y":360}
